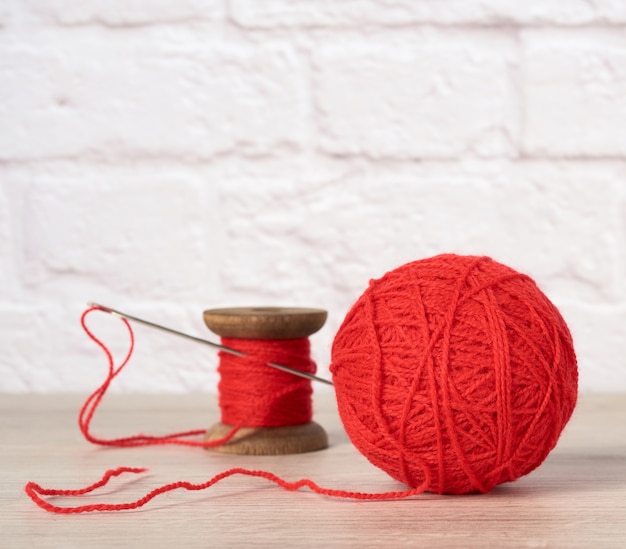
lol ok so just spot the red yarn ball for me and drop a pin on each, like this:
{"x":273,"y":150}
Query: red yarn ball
{"x":454,"y":374}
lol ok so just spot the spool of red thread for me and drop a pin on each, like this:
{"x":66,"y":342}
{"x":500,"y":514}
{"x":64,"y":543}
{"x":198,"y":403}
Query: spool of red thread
{"x":273,"y":408}
{"x":454,"y":374}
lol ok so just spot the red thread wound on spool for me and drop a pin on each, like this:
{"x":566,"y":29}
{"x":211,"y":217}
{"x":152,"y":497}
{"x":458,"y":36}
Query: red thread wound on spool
{"x":255,"y":395}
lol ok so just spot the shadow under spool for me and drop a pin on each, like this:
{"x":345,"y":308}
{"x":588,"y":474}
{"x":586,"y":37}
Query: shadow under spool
{"x":267,"y":323}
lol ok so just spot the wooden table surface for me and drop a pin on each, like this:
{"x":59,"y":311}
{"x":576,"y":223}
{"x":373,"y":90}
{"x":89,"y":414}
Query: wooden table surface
{"x":577,"y":498}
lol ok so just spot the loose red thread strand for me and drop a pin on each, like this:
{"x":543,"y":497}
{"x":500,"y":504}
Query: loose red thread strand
{"x":91,"y":404}
{"x":35,"y":491}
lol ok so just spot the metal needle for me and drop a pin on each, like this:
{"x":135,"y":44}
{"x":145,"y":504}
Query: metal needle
{"x":229,"y":350}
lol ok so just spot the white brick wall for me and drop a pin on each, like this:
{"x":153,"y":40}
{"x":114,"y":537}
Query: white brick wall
{"x":575,"y":88}
{"x":418,"y":95}
{"x":167,"y":156}
{"x":87,"y":93}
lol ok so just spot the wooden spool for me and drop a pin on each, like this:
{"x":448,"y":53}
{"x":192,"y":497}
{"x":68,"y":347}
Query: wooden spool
{"x":267,"y":323}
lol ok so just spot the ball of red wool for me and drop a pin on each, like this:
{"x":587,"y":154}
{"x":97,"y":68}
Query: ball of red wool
{"x":454,"y":374}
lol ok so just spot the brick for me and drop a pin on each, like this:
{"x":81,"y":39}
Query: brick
{"x":6,"y":247}
{"x":558,"y":223}
{"x":110,"y":234}
{"x":621,"y":232}
{"x":5,"y":15}
{"x":439,"y":96}
{"x":574,"y":89}
{"x":289,"y":13}
{"x":133,"y":96}
{"x":119,"y":12}
{"x":20,"y":327}
{"x":599,"y":342}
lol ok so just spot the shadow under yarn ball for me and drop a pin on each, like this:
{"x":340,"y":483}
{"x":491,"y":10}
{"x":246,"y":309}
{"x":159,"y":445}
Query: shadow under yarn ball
{"x":454,"y":374}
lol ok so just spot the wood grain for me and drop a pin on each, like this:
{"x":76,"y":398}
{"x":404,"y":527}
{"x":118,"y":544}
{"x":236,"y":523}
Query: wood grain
{"x":576,"y":499}
{"x":265,"y":322}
